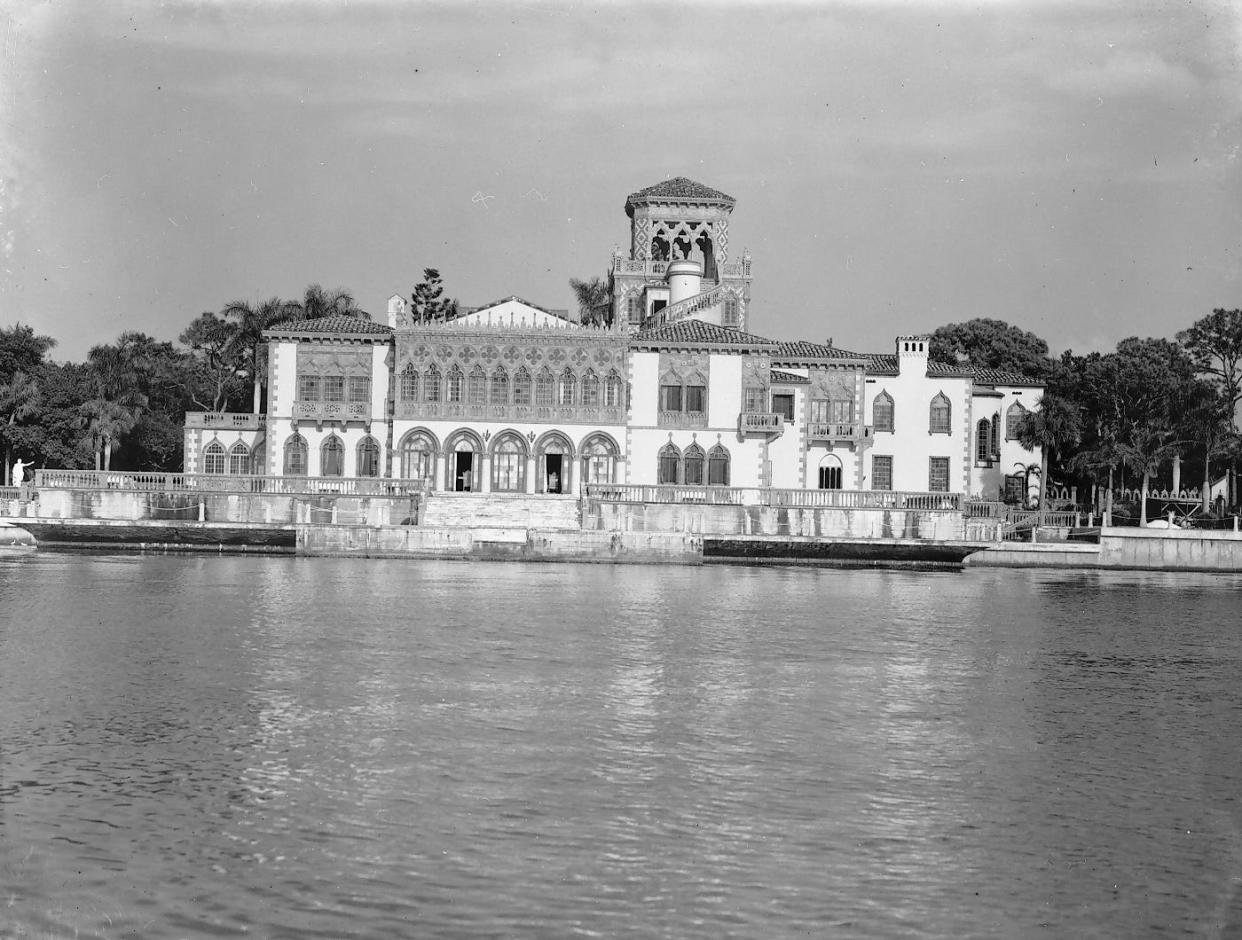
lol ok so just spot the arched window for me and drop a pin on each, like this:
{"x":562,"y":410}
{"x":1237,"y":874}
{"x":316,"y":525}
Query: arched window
{"x":598,"y":458}
{"x":1013,"y":419}
{"x":332,"y":457}
{"x":258,"y":459}
{"x":476,"y":386}
{"x":694,"y":398}
{"x":566,"y":385}
{"x":418,"y":457}
{"x":500,"y":387}
{"x":996,"y":435}
{"x":409,"y":383}
{"x":940,"y":415}
{"x":543,"y":388}
{"x":431,"y":384}
{"x":521,"y":387}
{"x":455,"y":382}
{"x":590,"y":388}
{"x":509,"y":464}
{"x":635,"y":306}
{"x":983,"y":440}
{"x":239,"y":459}
{"x":830,"y":472}
{"x":693,"y":465}
{"x":368,"y":457}
{"x":730,"y":310}
{"x":612,"y":391}
{"x":670,"y":392}
{"x":882,"y":412}
{"x":718,"y":466}
{"x":295,"y":456}
{"x":669,"y":467}
{"x":213,"y":458}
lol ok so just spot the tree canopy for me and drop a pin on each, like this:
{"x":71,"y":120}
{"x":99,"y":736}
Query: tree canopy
{"x":991,"y":344}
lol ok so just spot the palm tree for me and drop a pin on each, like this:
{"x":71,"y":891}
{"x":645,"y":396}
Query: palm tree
{"x":594,"y":301}
{"x":252,"y":322}
{"x":1053,"y":427}
{"x":115,"y":404}
{"x":318,"y":303}
{"x":1149,"y":446}
{"x":19,"y":397}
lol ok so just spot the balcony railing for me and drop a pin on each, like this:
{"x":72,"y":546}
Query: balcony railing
{"x":754,"y":496}
{"x":223,"y":483}
{"x":683,"y":419}
{"x":332,"y":410}
{"x":222,"y":419}
{"x":834,"y":431}
{"x":753,"y":422}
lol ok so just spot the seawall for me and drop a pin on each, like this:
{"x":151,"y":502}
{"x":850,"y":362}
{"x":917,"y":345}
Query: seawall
{"x":1125,"y":549}
{"x":500,"y":544}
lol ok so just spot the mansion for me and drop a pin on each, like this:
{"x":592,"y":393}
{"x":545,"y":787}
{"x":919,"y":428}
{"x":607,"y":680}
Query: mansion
{"x":676,"y":391}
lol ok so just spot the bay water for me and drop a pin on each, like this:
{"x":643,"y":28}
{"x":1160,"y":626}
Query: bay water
{"x":229,"y":746}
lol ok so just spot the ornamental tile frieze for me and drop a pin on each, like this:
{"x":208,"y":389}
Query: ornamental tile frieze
{"x":322,"y":359}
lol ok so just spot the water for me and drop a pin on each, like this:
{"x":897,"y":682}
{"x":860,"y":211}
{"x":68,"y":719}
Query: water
{"x":281,"y":747}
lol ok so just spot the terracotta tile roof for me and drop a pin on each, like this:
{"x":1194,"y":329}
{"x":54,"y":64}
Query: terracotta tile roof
{"x":679,"y":188}
{"x":788,"y":378}
{"x":698,"y":331}
{"x":802,"y":349}
{"x":886,"y":364}
{"x":354,"y":326}
{"x":999,"y":377}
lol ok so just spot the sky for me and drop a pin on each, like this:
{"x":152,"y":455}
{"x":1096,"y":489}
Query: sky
{"x":1071,"y":167}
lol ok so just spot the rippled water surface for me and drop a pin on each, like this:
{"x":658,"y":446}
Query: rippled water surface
{"x":280,"y":747}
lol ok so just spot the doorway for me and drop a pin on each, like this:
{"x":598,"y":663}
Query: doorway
{"x":556,"y":478}
{"x":464,"y":473}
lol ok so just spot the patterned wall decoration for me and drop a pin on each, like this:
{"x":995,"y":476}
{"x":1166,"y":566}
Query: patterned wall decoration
{"x":323,"y":359}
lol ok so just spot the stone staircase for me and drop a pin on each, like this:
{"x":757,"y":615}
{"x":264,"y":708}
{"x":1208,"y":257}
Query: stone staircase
{"x":502,"y":510}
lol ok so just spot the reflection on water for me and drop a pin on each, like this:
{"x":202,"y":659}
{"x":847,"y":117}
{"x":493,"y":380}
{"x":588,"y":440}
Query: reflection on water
{"x":283,"y":747}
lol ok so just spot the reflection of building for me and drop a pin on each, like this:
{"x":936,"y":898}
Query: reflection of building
{"x":514,"y":398}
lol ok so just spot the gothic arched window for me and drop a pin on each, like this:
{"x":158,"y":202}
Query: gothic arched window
{"x":983,"y":440}
{"x":368,"y":457}
{"x":500,"y":387}
{"x":882,"y":412}
{"x":213,"y":458}
{"x":239,"y":459}
{"x":1013,"y":418}
{"x":332,"y":458}
{"x":409,"y":383}
{"x":718,"y":466}
{"x":521,"y":387}
{"x":669,"y":467}
{"x":940,"y":415}
{"x":693,"y":464}
{"x":295,"y":456}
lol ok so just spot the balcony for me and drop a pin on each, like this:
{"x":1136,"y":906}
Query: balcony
{"x":332,"y":410}
{"x":683,"y":419}
{"x":754,"y":422}
{"x":214,"y":420}
{"x":831,"y":432}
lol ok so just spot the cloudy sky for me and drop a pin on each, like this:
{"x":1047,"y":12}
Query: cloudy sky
{"x":1072,"y":168}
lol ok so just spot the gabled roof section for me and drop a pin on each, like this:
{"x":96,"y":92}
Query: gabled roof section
{"x":679,"y":189}
{"x":341,"y":327}
{"x":699,"y":333}
{"x":779,"y":377}
{"x":466,"y":311}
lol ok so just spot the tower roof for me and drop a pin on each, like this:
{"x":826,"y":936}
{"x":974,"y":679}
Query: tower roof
{"x":678,"y":189}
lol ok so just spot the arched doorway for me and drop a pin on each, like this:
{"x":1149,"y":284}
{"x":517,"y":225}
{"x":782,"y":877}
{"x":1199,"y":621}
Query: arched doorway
{"x":463,"y":466}
{"x":555,"y":455}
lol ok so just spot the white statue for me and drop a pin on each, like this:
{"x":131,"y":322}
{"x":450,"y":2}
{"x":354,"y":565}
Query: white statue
{"x":19,"y":471}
